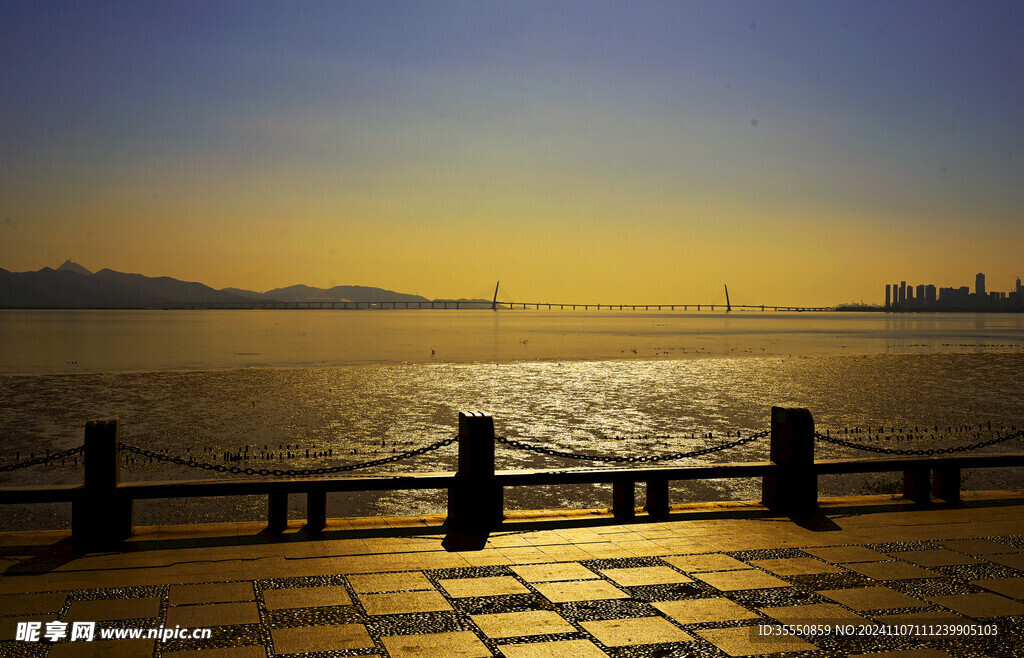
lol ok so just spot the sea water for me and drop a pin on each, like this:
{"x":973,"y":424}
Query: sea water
{"x":352,"y":386}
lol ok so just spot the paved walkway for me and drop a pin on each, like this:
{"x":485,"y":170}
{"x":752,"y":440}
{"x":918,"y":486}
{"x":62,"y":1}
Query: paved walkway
{"x":709,"y":582}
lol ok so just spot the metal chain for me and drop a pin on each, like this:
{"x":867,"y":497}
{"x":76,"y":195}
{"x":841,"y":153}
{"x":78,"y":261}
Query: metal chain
{"x":43,"y":460}
{"x":632,"y":459}
{"x":927,"y":451}
{"x":278,"y":472}
{"x":513,"y":443}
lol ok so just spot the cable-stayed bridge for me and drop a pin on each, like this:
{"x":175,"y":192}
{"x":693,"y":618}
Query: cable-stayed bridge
{"x":658,"y":307}
{"x":498,"y":305}
{"x":714,"y":306}
{"x":464,"y":304}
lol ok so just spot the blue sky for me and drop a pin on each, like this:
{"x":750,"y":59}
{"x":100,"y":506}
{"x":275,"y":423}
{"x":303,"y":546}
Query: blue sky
{"x":263,"y":144}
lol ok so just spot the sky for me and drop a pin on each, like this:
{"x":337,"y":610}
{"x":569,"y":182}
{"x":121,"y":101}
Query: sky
{"x":580,"y":152}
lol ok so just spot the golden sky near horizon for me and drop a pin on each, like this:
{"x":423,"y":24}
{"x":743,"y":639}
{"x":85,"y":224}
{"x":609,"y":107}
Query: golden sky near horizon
{"x":583,"y":153}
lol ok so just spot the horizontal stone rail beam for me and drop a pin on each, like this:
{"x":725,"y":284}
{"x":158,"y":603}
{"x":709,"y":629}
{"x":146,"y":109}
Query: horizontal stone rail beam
{"x":256,"y":487}
{"x":58,"y":493}
{"x":64,"y":493}
{"x":837,"y":466}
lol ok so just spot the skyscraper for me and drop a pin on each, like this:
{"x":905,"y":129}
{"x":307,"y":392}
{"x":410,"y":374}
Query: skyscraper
{"x":888,"y":293}
{"x":979,"y":285}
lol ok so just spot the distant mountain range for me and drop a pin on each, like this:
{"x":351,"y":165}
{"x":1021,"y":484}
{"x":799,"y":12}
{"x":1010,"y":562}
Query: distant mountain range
{"x":302,"y":293}
{"x":73,"y":286}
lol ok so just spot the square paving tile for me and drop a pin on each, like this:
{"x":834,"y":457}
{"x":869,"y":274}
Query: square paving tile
{"x":841,"y":554}
{"x":980,"y":605}
{"x":398,"y":603}
{"x":978,"y":546}
{"x":1012,"y":560}
{"x":213,"y":614}
{"x":746,"y":641}
{"x":700,"y":611}
{"x":635,"y":576}
{"x":525,"y":555}
{"x":305,"y":597}
{"x":560,"y":649}
{"x":705,"y":562}
{"x":520,"y":624}
{"x":252,"y":651}
{"x":939,"y":557}
{"x":389,"y":582}
{"x":306,"y":639}
{"x":113,"y":609}
{"x":1012,"y":587}
{"x":103,"y":649}
{"x":731,"y":581}
{"x":485,"y":558}
{"x":493,"y":586}
{"x":815,"y":613}
{"x":796,"y":566}
{"x":871,"y":598}
{"x":464,"y":644}
{"x":892,"y":570}
{"x":26,"y":604}
{"x":639,"y":630}
{"x":540,"y":573}
{"x":212,"y":593}
{"x":586,"y":590}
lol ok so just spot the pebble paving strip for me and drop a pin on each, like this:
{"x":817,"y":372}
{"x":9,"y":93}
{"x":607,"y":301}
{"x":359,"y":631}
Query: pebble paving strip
{"x":797,"y":589}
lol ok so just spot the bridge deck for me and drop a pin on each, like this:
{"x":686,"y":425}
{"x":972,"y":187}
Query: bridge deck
{"x":481,"y":305}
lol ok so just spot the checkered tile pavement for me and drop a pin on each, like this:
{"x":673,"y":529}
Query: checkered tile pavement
{"x":722,"y":586}
{"x":707,"y":604}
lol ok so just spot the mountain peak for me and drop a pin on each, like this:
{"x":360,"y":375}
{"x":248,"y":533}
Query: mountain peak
{"x":70,"y":266}
{"x":73,"y":286}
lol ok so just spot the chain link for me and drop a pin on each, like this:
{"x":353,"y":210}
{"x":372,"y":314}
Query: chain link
{"x":513,"y":443}
{"x":292,"y":472}
{"x":63,"y":454}
{"x":924,"y":451}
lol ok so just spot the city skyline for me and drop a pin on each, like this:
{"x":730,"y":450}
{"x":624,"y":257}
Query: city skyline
{"x":651,"y":151}
{"x":901,"y":297}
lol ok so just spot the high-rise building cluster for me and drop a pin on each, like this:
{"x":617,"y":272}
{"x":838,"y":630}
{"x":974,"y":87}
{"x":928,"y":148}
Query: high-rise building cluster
{"x":904,"y":297}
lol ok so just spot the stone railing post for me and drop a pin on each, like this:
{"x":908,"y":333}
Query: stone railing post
{"x":277,"y":512}
{"x":946,"y":481}
{"x":917,"y":485}
{"x":657,"y":499}
{"x":475,"y":500}
{"x":316,"y":510}
{"x":794,"y":487}
{"x":624,"y":500}
{"x":101,"y":518}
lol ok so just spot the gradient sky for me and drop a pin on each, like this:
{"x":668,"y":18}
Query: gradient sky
{"x":801,"y":152}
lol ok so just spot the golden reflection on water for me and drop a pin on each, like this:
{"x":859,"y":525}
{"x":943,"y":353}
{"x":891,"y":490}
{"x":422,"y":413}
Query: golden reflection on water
{"x":367,"y":412}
